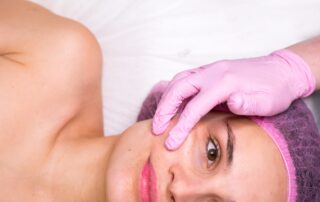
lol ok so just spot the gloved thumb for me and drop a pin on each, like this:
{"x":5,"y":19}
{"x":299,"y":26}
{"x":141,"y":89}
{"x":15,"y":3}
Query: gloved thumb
{"x":250,"y":104}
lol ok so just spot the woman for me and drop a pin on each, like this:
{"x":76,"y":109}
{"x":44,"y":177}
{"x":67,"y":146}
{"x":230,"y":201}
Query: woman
{"x":52,"y":146}
{"x":295,"y":135}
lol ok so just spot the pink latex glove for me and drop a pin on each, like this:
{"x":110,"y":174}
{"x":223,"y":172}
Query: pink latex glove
{"x":262,"y":86}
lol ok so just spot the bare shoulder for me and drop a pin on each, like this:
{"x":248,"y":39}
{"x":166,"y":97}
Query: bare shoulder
{"x":50,"y":69}
{"x":28,"y":32}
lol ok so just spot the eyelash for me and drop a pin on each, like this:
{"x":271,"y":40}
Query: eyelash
{"x":218,"y":152}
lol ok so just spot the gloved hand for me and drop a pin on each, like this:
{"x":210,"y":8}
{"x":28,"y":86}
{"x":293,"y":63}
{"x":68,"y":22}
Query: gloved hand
{"x":262,"y":86}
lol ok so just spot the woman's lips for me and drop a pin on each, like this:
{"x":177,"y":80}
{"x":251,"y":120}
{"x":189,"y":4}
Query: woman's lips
{"x":148,"y":182}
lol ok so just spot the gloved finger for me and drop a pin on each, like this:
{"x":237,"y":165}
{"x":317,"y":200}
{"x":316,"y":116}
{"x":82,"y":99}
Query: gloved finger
{"x":171,"y":101}
{"x":182,"y":75}
{"x":200,"y":105}
{"x":251,"y":104}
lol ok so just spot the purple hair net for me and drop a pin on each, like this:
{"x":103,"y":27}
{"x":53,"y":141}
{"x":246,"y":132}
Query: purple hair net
{"x":294,"y":132}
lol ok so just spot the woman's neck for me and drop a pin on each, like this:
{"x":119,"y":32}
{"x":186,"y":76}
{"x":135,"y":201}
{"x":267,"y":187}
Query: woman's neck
{"x":77,"y":169}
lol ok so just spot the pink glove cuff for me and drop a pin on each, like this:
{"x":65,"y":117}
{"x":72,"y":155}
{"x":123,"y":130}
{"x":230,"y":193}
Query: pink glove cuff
{"x":302,"y":68}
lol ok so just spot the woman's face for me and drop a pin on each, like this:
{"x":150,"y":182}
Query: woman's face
{"x":225,"y":158}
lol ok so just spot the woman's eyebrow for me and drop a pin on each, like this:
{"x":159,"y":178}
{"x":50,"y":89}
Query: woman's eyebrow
{"x":230,"y":143}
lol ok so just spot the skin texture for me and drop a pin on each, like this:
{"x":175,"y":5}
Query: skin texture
{"x":52,"y":146}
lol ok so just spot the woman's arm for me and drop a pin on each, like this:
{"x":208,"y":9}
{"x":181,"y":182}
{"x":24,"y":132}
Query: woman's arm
{"x":309,"y":50}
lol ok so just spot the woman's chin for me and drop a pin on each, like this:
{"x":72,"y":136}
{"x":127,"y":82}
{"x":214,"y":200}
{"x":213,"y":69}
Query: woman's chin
{"x":126,"y":163}
{"x":123,"y":179}
{"x":121,"y":187}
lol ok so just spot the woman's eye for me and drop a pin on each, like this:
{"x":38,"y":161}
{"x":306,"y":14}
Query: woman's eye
{"x":212,"y":151}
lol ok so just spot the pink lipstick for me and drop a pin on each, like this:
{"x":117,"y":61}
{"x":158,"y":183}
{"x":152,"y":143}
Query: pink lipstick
{"x":148,"y":183}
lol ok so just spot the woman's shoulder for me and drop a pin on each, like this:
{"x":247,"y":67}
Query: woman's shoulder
{"x":50,"y":69}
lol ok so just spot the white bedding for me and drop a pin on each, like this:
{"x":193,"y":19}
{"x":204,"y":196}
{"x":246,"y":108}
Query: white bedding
{"x":145,"y":41}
